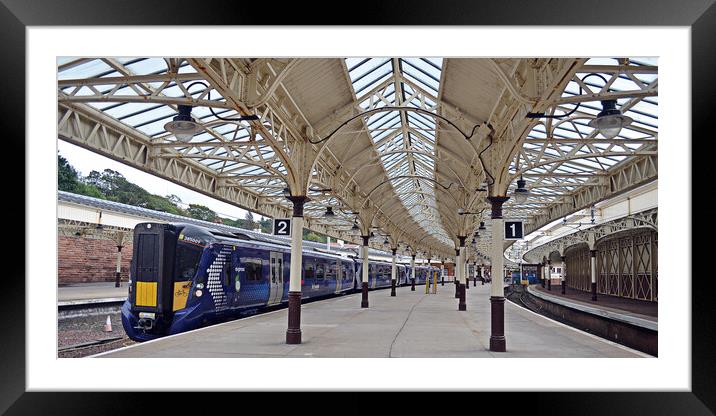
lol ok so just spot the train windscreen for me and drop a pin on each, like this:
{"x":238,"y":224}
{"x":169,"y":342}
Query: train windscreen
{"x":187,"y":261}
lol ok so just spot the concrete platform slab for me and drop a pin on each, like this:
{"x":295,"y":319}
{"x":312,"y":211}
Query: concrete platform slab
{"x":412,"y":324}
{"x":88,"y":292}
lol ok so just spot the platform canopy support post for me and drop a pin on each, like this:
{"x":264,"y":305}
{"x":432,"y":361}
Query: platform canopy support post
{"x":412,"y":273}
{"x":462,"y":306}
{"x":465,"y":267}
{"x":364,"y":273}
{"x":457,"y":273}
{"x":442,"y":272}
{"x":564,"y":274}
{"x":497,"y":292}
{"x":591,"y":242}
{"x":431,"y":276}
{"x":549,"y":274}
{"x":593,"y":264}
{"x":293,"y":333}
{"x":119,"y":266}
{"x":393,"y":274}
{"x":482,"y":274}
{"x":119,"y":239}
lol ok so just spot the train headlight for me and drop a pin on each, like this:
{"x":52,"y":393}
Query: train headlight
{"x":198,"y":293}
{"x":199,"y":285}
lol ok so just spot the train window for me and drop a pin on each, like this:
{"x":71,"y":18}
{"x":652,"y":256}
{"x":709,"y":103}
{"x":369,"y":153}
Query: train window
{"x":347,"y":273}
{"x":319,"y":271}
{"x":331,"y":271}
{"x":187,"y":261}
{"x":309,"y":271}
{"x":252,"y":268}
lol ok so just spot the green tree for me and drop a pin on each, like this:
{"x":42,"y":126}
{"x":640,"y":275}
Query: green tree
{"x":311,"y":236}
{"x":159,"y":203}
{"x":67,"y":176}
{"x":266,"y":225}
{"x":117,"y":188}
{"x":69,"y":180}
{"x":201,"y":212}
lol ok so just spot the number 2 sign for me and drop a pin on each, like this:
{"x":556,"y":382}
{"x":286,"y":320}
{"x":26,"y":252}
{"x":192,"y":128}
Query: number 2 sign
{"x":282,"y":226}
{"x":513,"y":230}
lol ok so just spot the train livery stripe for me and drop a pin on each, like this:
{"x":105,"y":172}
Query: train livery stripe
{"x":146,"y":294}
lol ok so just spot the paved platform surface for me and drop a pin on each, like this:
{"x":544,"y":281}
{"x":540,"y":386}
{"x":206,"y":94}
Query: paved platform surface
{"x":412,"y":324}
{"x":633,"y":306}
{"x":85,"y":292}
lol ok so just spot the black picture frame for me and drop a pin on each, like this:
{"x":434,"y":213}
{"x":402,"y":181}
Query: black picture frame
{"x":16,"y":15}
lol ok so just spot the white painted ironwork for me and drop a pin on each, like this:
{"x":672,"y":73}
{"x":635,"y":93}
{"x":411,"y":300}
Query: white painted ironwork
{"x":403,"y":142}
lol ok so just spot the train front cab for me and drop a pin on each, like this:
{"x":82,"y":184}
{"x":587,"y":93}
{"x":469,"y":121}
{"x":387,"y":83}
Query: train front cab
{"x":159,"y":287}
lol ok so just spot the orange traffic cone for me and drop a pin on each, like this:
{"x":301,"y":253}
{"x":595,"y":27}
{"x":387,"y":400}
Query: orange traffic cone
{"x":108,"y":325}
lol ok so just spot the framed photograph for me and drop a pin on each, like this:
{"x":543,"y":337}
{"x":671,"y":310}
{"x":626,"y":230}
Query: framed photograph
{"x":42,"y":38}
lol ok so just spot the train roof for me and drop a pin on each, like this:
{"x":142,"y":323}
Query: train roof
{"x":166,"y":217}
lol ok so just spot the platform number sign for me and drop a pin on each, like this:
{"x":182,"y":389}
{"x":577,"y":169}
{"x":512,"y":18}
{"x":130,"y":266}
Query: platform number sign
{"x":282,"y":226}
{"x":513,"y":230}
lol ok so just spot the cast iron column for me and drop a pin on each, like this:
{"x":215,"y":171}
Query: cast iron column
{"x":463,"y":276}
{"x":549,"y":274}
{"x":465,"y":268}
{"x":364,"y":273}
{"x":412,"y":273}
{"x":431,"y":274}
{"x":474,"y":274}
{"x":293,"y":333}
{"x":542,"y":267}
{"x":119,"y":266}
{"x":457,"y":273}
{"x":482,"y":274}
{"x":393,"y":271}
{"x":564,"y":275}
{"x":442,"y":273}
{"x":593,"y":261}
{"x":497,"y":291}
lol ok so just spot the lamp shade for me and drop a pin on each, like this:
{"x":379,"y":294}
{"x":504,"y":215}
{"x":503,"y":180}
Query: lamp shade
{"x":610,"y":121}
{"x":183,"y":126}
{"x":521,"y":193}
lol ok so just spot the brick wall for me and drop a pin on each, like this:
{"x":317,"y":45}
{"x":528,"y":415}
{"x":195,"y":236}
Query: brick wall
{"x":82,"y":259}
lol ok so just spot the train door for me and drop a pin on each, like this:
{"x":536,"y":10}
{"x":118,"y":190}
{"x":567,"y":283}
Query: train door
{"x":275,"y":278}
{"x":339,"y":276}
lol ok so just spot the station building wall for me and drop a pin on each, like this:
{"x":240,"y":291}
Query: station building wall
{"x":82,"y":260}
{"x":627,"y":265}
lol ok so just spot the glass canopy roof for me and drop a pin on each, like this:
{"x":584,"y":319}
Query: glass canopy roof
{"x":230,"y":157}
{"x":558,"y":157}
{"x":405,"y":141}
{"x":563,"y":154}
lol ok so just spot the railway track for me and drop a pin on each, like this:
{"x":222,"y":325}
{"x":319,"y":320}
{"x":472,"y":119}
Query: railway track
{"x":81,"y":327}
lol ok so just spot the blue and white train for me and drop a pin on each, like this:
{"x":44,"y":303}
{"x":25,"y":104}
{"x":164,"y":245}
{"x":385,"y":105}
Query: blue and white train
{"x":183,"y":277}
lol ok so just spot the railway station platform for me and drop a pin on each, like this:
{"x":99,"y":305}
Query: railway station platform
{"x":90,"y":293}
{"x":412,"y":324}
{"x":644,"y":309}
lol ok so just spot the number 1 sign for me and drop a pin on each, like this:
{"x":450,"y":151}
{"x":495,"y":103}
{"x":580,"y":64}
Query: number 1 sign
{"x":513,"y":230}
